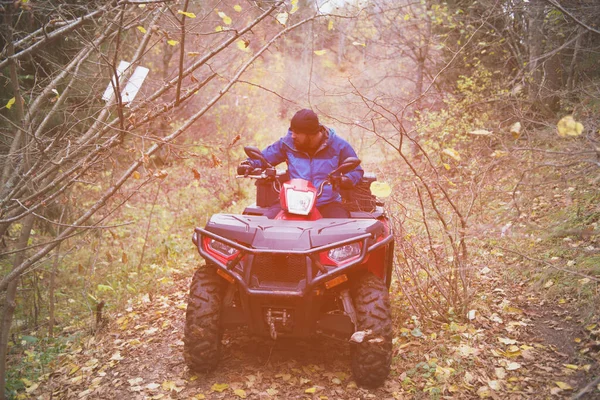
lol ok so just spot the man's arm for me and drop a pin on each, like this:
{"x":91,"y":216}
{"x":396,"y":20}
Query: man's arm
{"x":356,"y":174}
{"x":274,"y":154}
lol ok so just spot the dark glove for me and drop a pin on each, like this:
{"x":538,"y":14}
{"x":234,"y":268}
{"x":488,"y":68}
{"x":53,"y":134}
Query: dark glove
{"x":346,"y":183}
{"x":245,"y":167}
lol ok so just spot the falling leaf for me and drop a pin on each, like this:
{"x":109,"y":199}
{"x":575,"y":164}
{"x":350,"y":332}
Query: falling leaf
{"x":406,"y":17}
{"x":219,"y":387}
{"x":243,"y":44}
{"x":199,"y":396}
{"x":282,"y":18}
{"x":499,"y":153}
{"x":359,"y":44}
{"x":320,"y":52}
{"x":446,"y":166}
{"x":219,"y":28}
{"x":272,"y":392}
{"x":172,"y":42}
{"x":311,"y":390}
{"x":224,"y":17}
{"x":452,"y":153}
{"x":330,"y":25}
{"x":237,"y":8}
{"x":567,"y":126}
{"x":136,"y":175}
{"x":196,"y":173}
{"x":549,"y":284}
{"x":187,"y":14}
{"x":240,"y":393}
{"x":563,"y":385}
{"x":380,"y":189}
{"x":216,"y":160}
{"x":471,"y":315}
{"x":571,"y":366}
{"x":117,"y":356}
{"x":294,"y":6}
{"x":10,"y":103}
{"x":193,"y":53}
{"x":141,"y":29}
{"x":515,"y":130}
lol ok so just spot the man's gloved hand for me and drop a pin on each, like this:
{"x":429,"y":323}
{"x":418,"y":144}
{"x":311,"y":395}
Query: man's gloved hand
{"x":245,"y":167}
{"x":346,"y":183}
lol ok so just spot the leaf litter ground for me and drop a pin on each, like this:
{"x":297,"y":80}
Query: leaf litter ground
{"x":516,"y":347}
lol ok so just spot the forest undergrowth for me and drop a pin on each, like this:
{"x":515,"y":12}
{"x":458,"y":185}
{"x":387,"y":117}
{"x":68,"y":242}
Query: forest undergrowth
{"x":533,"y":330}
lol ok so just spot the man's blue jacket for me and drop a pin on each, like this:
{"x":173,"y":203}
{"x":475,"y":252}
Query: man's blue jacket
{"x":313,"y":168}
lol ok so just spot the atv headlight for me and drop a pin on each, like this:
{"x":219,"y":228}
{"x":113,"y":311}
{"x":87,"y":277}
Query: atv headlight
{"x":299,"y":202}
{"x":343,"y":253}
{"x":223,"y":249}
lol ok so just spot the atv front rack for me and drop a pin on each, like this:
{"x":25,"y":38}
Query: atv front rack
{"x":298,"y":238}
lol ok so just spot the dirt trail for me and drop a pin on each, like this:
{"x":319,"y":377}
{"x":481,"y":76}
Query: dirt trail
{"x":139,"y":356}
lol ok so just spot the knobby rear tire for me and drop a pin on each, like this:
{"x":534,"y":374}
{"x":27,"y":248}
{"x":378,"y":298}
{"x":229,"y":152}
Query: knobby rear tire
{"x":371,"y":359}
{"x":203,"y":330}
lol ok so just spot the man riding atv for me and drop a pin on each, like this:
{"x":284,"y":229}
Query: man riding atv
{"x":311,"y":151}
{"x":296,"y":274}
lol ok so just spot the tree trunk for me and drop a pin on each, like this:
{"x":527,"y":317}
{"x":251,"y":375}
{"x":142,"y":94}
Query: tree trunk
{"x":10,"y":303}
{"x":536,"y":48}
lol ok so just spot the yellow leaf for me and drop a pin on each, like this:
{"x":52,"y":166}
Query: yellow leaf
{"x":447,"y":166}
{"x":507,"y":340}
{"x":187,"y":14}
{"x":330,"y":25}
{"x":243,"y":45}
{"x":452,"y":153}
{"x":512,"y":366}
{"x":141,"y":29}
{"x":10,"y":103}
{"x":32,"y":388}
{"x":294,"y":6}
{"x":571,"y":366}
{"x":310,"y":390}
{"x":136,"y":175}
{"x":240,"y":393}
{"x":199,"y":396}
{"x":380,"y":189}
{"x":219,"y":387}
{"x":563,"y":385}
{"x":224,"y":17}
{"x":237,"y":8}
{"x":577,"y":340}
{"x":320,"y":52}
{"x":173,"y":42}
{"x":406,"y":17}
{"x":359,"y":44}
{"x":499,"y":153}
{"x":282,"y":18}
{"x":590,"y":327}
{"x":219,"y":28}
{"x":567,"y":126}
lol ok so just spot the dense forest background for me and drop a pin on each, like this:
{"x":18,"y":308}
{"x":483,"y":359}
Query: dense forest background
{"x":483,"y":117}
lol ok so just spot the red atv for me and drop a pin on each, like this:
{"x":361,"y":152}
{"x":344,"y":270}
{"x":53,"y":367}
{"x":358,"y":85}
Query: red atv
{"x":295,"y":275}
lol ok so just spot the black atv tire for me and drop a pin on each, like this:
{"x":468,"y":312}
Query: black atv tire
{"x":203,"y":330}
{"x":371,"y":359}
